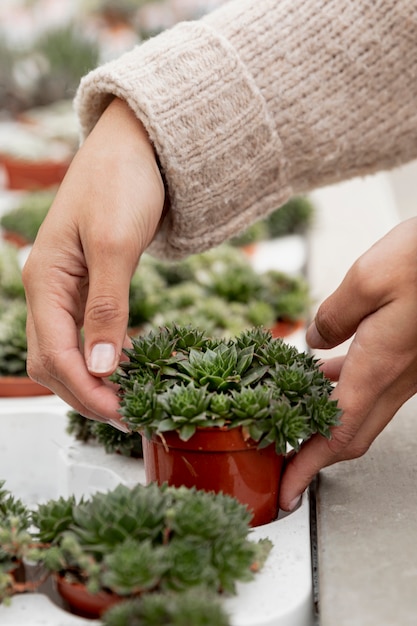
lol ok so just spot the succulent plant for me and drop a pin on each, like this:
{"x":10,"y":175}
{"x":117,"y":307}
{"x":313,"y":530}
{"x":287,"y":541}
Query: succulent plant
{"x":149,"y":539}
{"x":258,"y":231}
{"x":52,"y":518}
{"x":217,"y":290}
{"x":13,"y":342}
{"x":276,"y":393}
{"x":63,"y":54}
{"x":293,"y":217}
{"x":25,"y":219}
{"x":15,"y":539}
{"x":11,"y":284}
{"x":287,"y":295}
{"x":80,"y":427}
{"x":112,"y":439}
{"x":12,"y":507}
{"x":194,"y":606}
{"x":115,"y":441}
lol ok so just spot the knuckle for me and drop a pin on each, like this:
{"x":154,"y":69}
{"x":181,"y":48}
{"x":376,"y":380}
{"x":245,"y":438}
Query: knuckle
{"x":345,"y":444}
{"x":342,"y":439}
{"x":39,"y":369}
{"x":356,"y":450}
{"x":104,"y":310}
{"x":364,"y":276}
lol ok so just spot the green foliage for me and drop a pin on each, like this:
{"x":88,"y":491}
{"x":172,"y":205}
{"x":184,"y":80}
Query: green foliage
{"x":218,"y":290}
{"x":13,"y":342}
{"x":149,"y":539}
{"x":13,"y":313}
{"x":112,"y":439}
{"x":294,"y":217}
{"x":80,"y":427}
{"x":13,"y":507}
{"x":26,"y":218}
{"x":52,"y":518}
{"x":194,"y":607}
{"x":253,"y":380}
{"x":11,"y":284}
{"x":287,"y":295}
{"x":258,"y":231}
{"x":115,"y":441}
{"x":65,"y":54}
{"x":15,"y":539}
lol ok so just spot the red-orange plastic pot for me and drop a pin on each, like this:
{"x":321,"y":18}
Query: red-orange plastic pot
{"x":284,"y":328}
{"x":21,"y":386}
{"x":217,"y":459}
{"x":29,"y":175}
{"x":82,"y":602}
{"x":15,"y":239}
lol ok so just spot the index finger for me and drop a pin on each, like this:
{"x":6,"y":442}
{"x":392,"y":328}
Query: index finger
{"x":56,"y":361}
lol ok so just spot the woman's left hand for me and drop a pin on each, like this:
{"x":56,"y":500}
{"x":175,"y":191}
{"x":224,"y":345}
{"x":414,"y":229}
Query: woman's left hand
{"x":377,"y":303}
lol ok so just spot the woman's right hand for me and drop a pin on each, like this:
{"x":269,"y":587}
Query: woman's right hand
{"x":105,"y":214}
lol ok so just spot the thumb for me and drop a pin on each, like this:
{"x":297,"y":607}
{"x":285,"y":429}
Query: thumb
{"x":106,"y":317}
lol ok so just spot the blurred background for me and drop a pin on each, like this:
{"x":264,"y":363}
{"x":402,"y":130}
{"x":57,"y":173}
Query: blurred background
{"x":46,"y":46}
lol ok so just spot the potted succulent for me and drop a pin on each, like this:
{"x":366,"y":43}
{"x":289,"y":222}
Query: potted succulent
{"x":292,"y":218}
{"x":196,"y":607}
{"x":14,"y":380}
{"x":289,"y":298}
{"x":49,"y":69}
{"x":220,"y":414}
{"x":21,"y":224}
{"x":15,"y":541}
{"x":295,"y":217}
{"x":218,"y":290}
{"x":130,"y":543}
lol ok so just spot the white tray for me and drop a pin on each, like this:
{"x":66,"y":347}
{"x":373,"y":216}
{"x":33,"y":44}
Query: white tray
{"x":39,"y":461}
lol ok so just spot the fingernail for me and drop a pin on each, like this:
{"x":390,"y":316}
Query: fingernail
{"x":122,"y":427}
{"x":294,"y":503}
{"x":102,"y":358}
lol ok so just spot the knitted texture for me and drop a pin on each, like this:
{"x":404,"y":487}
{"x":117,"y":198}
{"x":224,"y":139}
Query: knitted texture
{"x":264,"y":99}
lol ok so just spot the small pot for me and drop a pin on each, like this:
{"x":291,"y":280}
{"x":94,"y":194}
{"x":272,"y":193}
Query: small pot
{"x":29,"y":175}
{"x":16,"y":239}
{"x":82,"y":602}
{"x":220,"y":460}
{"x":285,"y":327}
{"x":21,"y":386}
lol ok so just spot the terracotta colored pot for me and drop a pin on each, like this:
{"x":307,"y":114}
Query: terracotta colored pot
{"x":16,"y":239}
{"x":284,"y":328}
{"x":29,"y":175}
{"x":82,"y":602}
{"x":21,"y":386}
{"x":217,"y":459}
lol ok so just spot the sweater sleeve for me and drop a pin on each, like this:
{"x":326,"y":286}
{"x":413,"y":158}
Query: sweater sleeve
{"x":260,"y":100}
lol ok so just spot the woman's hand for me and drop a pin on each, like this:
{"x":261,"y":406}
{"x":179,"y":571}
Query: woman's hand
{"x":377,"y":303}
{"x":78,"y":274}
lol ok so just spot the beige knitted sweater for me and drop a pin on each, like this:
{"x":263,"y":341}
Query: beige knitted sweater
{"x":263,"y":99}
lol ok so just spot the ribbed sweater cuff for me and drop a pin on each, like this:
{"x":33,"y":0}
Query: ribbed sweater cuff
{"x":182,"y":96}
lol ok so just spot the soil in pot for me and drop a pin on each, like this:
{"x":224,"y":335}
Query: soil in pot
{"x":217,"y":459}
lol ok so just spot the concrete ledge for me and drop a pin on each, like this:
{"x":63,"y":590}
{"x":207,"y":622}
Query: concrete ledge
{"x":367,"y":532}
